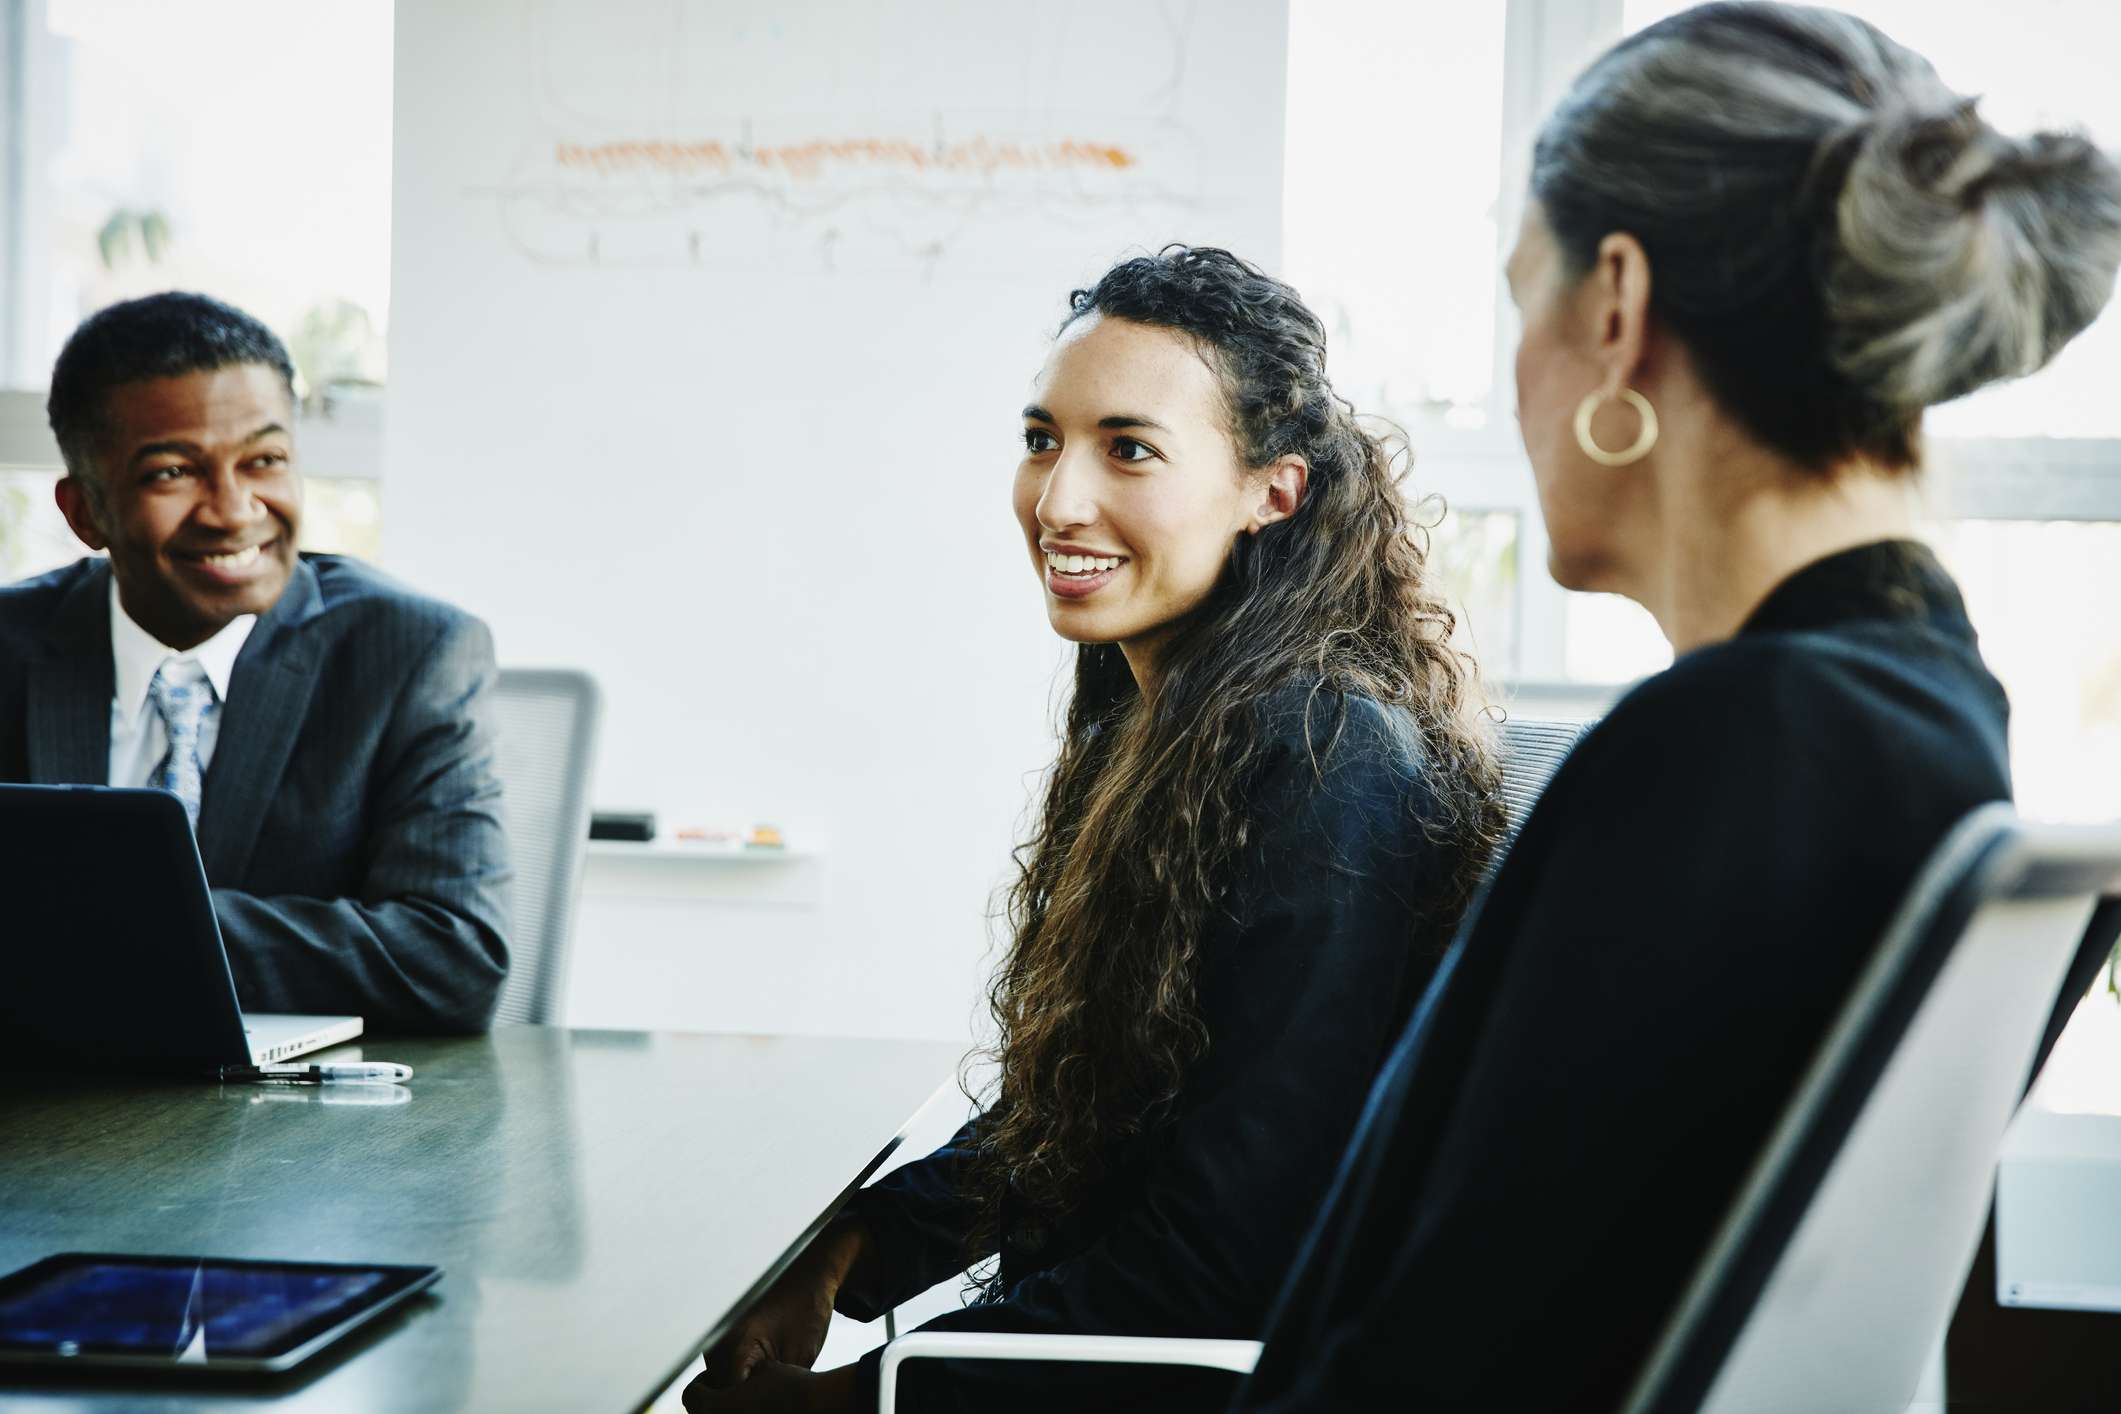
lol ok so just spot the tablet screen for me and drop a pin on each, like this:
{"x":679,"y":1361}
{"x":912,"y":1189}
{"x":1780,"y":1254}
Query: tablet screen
{"x":186,"y":1311}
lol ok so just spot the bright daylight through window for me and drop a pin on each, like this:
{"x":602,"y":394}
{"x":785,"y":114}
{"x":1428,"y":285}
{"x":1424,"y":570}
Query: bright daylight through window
{"x":1396,"y":126}
{"x":136,"y":176}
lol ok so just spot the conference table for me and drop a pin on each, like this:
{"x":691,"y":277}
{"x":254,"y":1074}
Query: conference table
{"x":602,"y":1203}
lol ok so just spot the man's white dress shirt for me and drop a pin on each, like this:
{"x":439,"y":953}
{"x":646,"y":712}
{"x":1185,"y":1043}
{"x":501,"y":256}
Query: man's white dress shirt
{"x":138,"y":741}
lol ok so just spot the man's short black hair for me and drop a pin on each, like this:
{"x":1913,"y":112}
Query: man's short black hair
{"x":158,"y":336}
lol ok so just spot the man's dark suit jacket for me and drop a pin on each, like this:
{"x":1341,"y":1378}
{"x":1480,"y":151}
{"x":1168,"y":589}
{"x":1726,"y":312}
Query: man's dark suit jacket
{"x":350,"y":823}
{"x":1603,"y":1055}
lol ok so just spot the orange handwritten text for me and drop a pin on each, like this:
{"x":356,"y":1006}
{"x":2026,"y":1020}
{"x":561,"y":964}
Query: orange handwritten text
{"x":810,"y":161}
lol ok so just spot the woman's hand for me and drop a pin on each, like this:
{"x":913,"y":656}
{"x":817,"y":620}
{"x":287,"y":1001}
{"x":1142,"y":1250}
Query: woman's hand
{"x":787,"y":1325}
{"x":774,"y":1388}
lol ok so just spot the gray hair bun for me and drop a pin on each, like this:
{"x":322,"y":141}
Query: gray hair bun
{"x":1960,"y":256}
{"x":1838,"y":238}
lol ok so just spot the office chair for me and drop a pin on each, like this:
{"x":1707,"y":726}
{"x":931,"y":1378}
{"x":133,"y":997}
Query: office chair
{"x":547,"y":750}
{"x":1532,"y":751}
{"x":1833,"y":1273}
{"x":1831,"y":1277}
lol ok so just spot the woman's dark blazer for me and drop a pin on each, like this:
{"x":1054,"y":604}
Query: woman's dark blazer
{"x":1606,"y":1049}
{"x":1327,"y":939}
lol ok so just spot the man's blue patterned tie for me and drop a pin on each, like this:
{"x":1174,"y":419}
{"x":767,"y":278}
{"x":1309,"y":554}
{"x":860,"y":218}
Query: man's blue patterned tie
{"x":181,"y":695}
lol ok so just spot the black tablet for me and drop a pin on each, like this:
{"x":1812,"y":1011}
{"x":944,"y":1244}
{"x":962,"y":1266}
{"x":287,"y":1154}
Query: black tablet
{"x":104,"y":1310}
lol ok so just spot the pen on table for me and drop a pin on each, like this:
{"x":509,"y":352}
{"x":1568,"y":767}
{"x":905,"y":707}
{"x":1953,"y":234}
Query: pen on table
{"x":366,"y":1073}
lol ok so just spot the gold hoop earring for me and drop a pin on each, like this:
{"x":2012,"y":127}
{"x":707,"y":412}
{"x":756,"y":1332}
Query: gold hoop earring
{"x":1644,"y":440}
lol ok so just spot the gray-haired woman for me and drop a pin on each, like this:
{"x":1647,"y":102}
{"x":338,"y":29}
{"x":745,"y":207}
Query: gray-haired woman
{"x":1762,"y":240}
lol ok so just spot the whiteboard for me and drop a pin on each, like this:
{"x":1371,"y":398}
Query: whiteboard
{"x":710,"y":323}
{"x":852,"y":137}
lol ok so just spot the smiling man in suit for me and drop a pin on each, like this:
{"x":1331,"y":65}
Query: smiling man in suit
{"x":328,"y":732}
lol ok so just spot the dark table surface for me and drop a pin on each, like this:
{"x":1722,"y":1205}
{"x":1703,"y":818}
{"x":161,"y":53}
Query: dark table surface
{"x":601,"y":1202}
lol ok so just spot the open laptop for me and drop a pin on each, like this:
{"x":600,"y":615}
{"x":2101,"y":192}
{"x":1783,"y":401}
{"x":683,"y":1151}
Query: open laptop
{"x":110,"y":955}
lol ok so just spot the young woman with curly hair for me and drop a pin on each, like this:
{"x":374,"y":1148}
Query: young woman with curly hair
{"x":1272,"y":804}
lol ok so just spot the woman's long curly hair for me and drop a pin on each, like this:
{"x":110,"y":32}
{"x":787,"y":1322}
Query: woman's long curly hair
{"x":1144,"y":811}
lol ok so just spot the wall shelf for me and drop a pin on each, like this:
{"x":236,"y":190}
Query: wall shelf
{"x":679,"y":851}
{"x":669,"y":871}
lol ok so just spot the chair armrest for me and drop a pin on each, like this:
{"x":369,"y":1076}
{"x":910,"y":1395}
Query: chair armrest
{"x":1238,"y":1356}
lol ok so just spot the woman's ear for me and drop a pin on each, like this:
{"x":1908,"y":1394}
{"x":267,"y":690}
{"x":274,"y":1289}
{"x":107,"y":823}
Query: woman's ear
{"x":1615,"y":301}
{"x":1280,"y":493}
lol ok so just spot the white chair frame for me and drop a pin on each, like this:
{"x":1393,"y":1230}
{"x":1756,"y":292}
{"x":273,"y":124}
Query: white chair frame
{"x":1237,"y":1356}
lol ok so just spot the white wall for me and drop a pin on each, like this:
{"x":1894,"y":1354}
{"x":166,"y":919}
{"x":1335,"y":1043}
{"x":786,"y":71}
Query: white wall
{"x":739,"y":439}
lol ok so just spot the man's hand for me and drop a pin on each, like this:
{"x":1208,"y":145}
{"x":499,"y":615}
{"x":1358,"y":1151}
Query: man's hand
{"x":774,"y":1388}
{"x":788,"y":1323}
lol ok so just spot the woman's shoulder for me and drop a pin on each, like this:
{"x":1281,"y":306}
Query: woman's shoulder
{"x":1340,"y":764}
{"x":1793,"y":681}
{"x":1338,"y":729}
{"x":1837,"y":705}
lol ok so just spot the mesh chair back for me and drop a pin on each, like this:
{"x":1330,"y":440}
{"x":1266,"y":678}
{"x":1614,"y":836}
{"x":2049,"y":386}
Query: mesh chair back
{"x":1832,"y":1275}
{"x":1532,"y":750}
{"x":548,"y":732}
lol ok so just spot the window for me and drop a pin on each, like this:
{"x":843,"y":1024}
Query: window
{"x":219,"y":146}
{"x":1474,"y":557}
{"x":215,"y":145}
{"x":2039,"y":593}
{"x":1611,"y":640}
{"x":1389,"y":197}
{"x":1404,"y":123}
{"x":33,"y":535}
{"x":1391,"y":184}
{"x":1408,"y":130}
